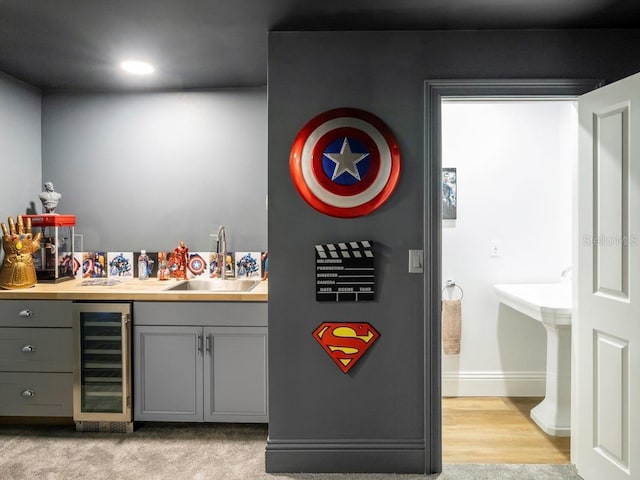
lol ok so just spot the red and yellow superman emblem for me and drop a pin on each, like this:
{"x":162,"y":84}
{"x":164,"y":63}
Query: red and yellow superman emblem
{"x":345,"y":342}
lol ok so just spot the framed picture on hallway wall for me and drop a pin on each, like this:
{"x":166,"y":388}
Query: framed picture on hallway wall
{"x":449,"y":193}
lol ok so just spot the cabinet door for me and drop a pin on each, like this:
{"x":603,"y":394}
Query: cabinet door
{"x":235,"y":374}
{"x":168,"y":373}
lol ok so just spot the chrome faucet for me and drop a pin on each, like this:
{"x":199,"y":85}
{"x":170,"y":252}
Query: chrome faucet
{"x":221,"y":252}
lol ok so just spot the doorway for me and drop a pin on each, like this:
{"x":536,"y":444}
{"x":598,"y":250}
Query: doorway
{"x":507,"y":219}
{"x":435,"y":92}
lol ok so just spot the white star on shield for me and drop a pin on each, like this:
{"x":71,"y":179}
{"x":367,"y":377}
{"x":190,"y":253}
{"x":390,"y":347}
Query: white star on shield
{"x":346,"y":161}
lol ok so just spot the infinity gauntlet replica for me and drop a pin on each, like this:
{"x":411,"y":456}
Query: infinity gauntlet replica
{"x":19,"y":245}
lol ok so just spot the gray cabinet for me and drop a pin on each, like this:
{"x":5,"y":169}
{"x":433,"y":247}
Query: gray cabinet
{"x":194,"y":363}
{"x":168,"y":373}
{"x":235,"y":374}
{"x":36,"y":358}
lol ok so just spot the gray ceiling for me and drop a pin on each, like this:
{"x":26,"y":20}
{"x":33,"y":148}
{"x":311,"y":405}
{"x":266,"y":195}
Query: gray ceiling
{"x":77,"y":44}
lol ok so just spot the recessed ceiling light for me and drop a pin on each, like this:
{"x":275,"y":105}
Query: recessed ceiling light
{"x":137,"y":68}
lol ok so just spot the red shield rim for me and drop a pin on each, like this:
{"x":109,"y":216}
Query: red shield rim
{"x":336,"y":200}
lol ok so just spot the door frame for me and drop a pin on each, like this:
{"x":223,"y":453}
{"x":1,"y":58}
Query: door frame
{"x":434,"y":92}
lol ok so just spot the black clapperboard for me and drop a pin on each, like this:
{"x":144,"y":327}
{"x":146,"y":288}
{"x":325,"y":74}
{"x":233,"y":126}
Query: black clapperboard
{"x":345,"y":272}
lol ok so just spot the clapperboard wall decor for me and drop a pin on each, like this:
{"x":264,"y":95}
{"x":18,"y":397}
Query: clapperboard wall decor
{"x":345,"y":272}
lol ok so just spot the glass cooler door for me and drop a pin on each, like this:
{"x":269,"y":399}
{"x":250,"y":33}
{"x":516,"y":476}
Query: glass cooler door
{"x":102,"y":374}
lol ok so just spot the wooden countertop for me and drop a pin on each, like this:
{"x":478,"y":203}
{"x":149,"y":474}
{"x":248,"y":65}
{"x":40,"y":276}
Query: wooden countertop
{"x":131,"y":289}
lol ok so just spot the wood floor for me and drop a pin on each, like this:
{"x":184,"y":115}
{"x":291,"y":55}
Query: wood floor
{"x":496,"y":430}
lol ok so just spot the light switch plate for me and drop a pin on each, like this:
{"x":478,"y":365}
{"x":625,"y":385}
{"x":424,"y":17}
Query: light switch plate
{"x":416,"y":261}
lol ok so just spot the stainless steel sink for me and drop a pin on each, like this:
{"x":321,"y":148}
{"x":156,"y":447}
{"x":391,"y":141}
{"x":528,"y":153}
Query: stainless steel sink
{"x":215,"y":285}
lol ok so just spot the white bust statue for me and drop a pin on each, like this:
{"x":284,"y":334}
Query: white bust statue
{"x":49,"y":198}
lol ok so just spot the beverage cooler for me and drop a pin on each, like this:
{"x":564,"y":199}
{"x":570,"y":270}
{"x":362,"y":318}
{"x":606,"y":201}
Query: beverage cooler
{"x":102,"y":370}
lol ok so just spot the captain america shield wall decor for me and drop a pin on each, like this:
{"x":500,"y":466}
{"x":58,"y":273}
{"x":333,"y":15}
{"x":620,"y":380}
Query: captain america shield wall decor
{"x":345,"y":162}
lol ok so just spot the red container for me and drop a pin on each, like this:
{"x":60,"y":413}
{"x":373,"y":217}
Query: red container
{"x":55,"y":260}
{"x":51,"y":220}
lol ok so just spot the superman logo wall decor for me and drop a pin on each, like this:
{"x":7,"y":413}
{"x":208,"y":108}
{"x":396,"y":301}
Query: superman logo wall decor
{"x":345,"y":162}
{"x":345,"y":342}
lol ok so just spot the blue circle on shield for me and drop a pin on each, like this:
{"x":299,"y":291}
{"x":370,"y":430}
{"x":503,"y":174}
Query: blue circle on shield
{"x":346,"y":178}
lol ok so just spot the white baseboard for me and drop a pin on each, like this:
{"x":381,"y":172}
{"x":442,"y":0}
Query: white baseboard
{"x":493,"y":384}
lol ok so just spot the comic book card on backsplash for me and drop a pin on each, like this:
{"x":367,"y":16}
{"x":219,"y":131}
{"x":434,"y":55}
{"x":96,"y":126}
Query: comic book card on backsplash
{"x":120,"y":264}
{"x":68,"y":263}
{"x":248,"y":264}
{"x":215,"y":265}
{"x":94,"y":265}
{"x":197,"y":264}
{"x":152,"y":264}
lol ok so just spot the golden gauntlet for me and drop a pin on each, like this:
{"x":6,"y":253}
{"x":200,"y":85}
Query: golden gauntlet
{"x":19,"y":245}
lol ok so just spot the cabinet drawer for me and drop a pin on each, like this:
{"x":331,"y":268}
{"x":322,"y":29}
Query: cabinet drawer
{"x":36,"y":349}
{"x":36,"y":394}
{"x":35,"y":313}
{"x":228,"y":314}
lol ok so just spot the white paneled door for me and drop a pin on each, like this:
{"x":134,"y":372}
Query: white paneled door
{"x":606,"y":426}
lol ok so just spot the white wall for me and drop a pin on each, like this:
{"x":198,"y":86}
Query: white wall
{"x":514,"y":163}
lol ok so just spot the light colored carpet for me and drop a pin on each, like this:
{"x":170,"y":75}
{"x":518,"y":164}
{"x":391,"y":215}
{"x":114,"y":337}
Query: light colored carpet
{"x":191,"y":452}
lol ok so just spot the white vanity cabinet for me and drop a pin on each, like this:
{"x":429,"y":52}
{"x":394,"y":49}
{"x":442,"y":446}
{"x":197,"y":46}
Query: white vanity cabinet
{"x":36,"y":358}
{"x":200,"y":361}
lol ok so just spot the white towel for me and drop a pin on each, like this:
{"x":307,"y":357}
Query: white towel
{"x":451,"y":326}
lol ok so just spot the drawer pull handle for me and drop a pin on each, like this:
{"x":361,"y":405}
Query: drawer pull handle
{"x":27,"y":393}
{"x":26,"y":313}
{"x":28,"y":348}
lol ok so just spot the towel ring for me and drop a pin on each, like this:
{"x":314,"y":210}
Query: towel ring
{"x":452,"y":284}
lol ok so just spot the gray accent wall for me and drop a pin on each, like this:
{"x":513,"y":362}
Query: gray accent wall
{"x":383,"y":416}
{"x":145,"y":171}
{"x":20,"y":147}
